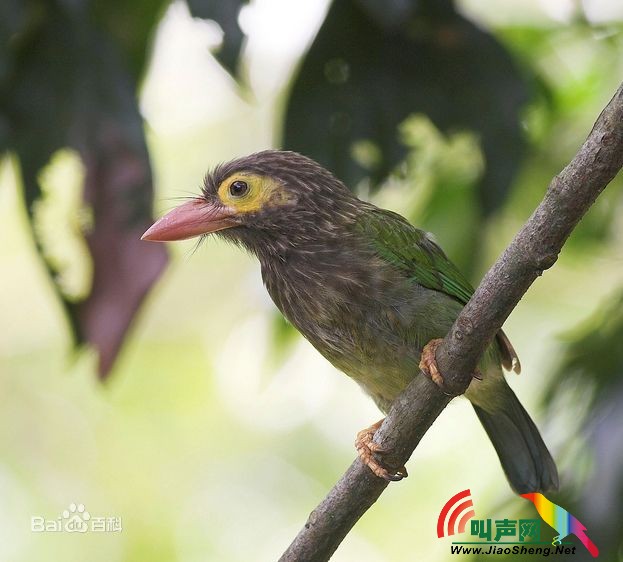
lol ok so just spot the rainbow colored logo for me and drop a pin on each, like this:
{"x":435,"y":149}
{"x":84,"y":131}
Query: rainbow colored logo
{"x":511,"y":536}
{"x":561,"y":521}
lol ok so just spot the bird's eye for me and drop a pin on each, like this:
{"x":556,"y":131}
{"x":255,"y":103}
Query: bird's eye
{"x":238,"y":188}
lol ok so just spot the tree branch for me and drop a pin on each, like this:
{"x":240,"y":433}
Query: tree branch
{"x":534,"y":249}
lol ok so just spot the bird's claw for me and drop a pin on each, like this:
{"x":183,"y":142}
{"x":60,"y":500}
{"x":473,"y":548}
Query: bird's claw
{"x":428,"y":365}
{"x":367,"y":449}
{"x":428,"y":362}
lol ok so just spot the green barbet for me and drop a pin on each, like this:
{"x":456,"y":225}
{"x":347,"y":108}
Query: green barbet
{"x":365,"y":287}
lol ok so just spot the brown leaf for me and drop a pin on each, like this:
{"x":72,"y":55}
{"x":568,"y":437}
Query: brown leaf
{"x":118,"y":188}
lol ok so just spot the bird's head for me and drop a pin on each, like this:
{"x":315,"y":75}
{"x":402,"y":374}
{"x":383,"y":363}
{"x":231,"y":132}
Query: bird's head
{"x":271,"y":197}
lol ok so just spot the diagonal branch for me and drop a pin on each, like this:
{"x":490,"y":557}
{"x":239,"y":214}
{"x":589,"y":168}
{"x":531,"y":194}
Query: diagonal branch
{"x":534,"y":249}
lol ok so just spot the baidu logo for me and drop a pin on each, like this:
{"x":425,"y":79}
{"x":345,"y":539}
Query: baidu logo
{"x":75,"y":519}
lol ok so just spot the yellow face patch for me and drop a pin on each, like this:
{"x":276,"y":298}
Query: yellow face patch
{"x":260,"y":192}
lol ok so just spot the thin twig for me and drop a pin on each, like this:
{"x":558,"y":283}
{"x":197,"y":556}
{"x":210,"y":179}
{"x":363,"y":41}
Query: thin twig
{"x":534,"y":249}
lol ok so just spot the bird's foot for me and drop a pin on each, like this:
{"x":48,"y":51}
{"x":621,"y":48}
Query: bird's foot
{"x":367,"y":449}
{"x":428,"y":365}
{"x":428,"y":362}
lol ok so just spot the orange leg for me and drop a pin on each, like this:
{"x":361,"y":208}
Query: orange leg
{"x":367,"y":449}
{"x":428,"y":363}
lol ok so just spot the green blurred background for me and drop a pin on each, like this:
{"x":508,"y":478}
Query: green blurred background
{"x":217,"y":428}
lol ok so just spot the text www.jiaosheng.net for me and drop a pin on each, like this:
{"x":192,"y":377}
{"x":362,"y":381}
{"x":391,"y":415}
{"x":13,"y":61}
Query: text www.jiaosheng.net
{"x":517,"y":549}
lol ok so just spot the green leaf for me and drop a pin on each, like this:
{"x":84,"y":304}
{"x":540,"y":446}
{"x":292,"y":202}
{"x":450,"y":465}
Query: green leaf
{"x":364,"y":75}
{"x":131,"y":27}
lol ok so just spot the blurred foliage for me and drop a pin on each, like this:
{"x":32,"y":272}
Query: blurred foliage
{"x":592,"y":355}
{"x":130,"y":27}
{"x":447,"y":170}
{"x":69,"y":80}
{"x":590,"y":373}
{"x":226,"y":15}
{"x":373,"y":64}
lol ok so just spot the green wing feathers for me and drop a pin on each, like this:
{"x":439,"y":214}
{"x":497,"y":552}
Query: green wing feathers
{"x":412,"y":250}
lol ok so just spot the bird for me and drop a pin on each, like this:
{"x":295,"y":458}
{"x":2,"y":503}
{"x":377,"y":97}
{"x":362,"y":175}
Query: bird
{"x":370,"y":291}
{"x":562,"y":521}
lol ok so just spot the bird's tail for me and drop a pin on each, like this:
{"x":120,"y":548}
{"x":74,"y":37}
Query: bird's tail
{"x":588,"y":543}
{"x":525,"y":459}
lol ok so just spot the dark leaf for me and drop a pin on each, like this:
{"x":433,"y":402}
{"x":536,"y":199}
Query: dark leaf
{"x":118,"y":186}
{"x":225,"y":13}
{"x":69,"y":87}
{"x":15,"y":18}
{"x":390,"y":13}
{"x":131,"y":26}
{"x":363,"y":76}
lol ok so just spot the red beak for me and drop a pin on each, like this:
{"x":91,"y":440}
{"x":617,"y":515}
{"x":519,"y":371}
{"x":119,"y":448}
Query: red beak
{"x":193,"y":218}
